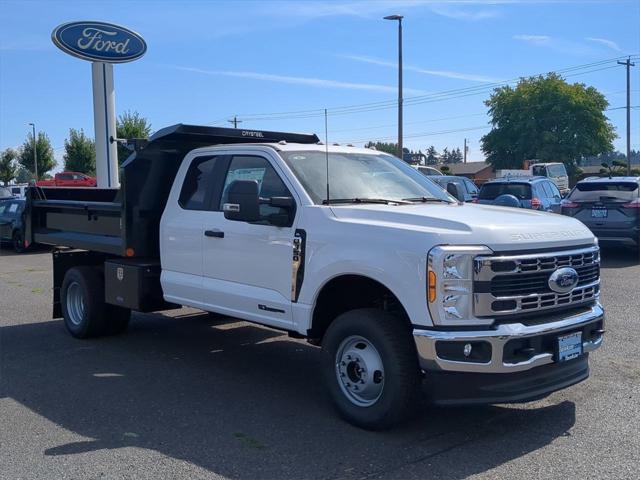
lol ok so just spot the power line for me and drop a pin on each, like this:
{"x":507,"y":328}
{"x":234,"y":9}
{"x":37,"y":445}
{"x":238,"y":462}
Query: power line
{"x":427,"y":98}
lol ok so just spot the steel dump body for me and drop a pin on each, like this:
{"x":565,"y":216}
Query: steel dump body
{"x":125,"y":221}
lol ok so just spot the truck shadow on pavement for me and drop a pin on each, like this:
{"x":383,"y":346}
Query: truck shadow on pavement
{"x":618,"y":257}
{"x":244,"y":402}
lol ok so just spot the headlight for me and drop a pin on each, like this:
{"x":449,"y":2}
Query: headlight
{"x":450,"y":284}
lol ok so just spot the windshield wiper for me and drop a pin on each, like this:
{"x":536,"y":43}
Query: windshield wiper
{"x":385,"y":201}
{"x":426,"y":199}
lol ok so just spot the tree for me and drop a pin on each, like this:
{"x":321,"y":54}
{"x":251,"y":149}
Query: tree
{"x":432,"y":156}
{"x":446,"y":156}
{"x":548,"y":119}
{"x":445,"y":169}
{"x":131,"y":125}
{"x":80,"y":153}
{"x":46,"y":161}
{"x":8,"y":165}
{"x":617,"y":168}
{"x":455,"y":156}
{"x":390,"y":148}
{"x":23,"y":175}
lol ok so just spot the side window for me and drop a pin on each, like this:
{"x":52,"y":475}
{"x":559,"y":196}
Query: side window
{"x":269,"y":182}
{"x":471,"y":187}
{"x":65,"y":176}
{"x":555,"y":193}
{"x":3,"y":206}
{"x":197,"y":184}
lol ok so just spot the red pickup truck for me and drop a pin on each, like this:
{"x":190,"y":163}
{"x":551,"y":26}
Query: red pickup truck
{"x":68,"y":179}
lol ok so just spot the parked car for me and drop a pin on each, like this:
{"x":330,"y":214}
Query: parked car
{"x":5,"y":193}
{"x":536,"y":193}
{"x":68,"y":179}
{"x":428,"y":171}
{"x":468,"y":190}
{"x":18,"y":190}
{"x":610,"y":207}
{"x":12,"y":223}
{"x":556,"y":172}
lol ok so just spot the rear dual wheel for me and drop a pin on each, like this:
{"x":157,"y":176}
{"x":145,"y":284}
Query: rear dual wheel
{"x":83,"y":307}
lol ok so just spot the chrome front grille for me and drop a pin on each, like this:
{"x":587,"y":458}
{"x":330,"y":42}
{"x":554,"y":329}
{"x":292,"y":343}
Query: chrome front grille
{"x":511,"y":284}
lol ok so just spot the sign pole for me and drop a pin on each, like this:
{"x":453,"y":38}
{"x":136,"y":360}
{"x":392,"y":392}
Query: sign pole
{"x":104,"y":119}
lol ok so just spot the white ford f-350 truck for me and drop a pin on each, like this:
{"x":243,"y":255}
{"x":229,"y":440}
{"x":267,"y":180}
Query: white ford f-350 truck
{"x":408,"y":291}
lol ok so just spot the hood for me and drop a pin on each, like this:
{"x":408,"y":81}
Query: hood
{"x":499,"y":228}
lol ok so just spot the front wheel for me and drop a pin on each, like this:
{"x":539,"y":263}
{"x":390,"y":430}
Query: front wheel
{"x":371,"y":368}
{"x":18,"y":241}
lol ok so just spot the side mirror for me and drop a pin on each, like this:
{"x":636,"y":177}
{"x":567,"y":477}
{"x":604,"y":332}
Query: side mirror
{"x":455,"y":190}
{"x":243,"y":203}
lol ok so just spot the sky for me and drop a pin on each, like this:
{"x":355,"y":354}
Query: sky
{"x":278,"y":64}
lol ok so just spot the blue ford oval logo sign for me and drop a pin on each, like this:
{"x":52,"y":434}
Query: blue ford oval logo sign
{"x":99,"y":42}
{"x":563,"y":280}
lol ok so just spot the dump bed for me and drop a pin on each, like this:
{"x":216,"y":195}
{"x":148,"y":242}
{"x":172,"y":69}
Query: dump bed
{"x":126,"y":221}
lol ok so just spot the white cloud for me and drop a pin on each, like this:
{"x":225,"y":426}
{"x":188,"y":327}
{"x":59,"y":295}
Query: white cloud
{"x":535,"y":39}
{"x":308,"y":81}
{"x":607,"y":43}
{"x":438,"y":73}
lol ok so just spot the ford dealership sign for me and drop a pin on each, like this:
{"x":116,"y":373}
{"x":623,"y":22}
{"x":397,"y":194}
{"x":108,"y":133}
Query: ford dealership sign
{"x":99,"y":42}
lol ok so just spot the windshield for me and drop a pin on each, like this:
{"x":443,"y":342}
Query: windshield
{"x":360,"y":176}
{"x":556,"y":170}
{"x":597,"y":191}
{"x":491,"y":191}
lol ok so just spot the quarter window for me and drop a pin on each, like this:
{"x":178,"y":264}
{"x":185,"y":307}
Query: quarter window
{"x":197,"y":184}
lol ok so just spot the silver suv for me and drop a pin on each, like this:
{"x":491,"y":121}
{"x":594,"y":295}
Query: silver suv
{"x":610,"y":207}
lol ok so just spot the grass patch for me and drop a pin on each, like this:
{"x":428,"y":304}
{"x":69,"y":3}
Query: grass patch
{"x":248,"y":441}
{"x":37,"y":290}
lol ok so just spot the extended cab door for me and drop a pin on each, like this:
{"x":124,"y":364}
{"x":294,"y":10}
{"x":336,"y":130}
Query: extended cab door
{"x":182,"y":229}
{"x":248,"y":266}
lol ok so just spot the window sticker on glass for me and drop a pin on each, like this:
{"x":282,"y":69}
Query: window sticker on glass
{"x":13,"y":208}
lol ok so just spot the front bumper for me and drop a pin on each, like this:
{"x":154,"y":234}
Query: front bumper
{"x":588,"y":319}
{"x":520,"y":362}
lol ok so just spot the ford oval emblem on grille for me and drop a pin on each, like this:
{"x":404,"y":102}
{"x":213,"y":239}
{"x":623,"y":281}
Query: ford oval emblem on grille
{"x":563,"y":280}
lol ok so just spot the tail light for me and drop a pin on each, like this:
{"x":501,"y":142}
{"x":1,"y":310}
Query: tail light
{"x":536,"y":203}
{"x":634,"y":204}
{"x":569,"y":204}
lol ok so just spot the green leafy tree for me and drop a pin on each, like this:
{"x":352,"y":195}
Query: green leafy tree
{"x":446,"y":156}
{"x":455,"y":156}
{"x":80,"y":153}
{"x":390,"y":148}
{"x":46,"y":160}
{"x":432,"y":156}
{"x":131,"y":125}
{"x":23,"y":175}
{"x":548,"y":119}
{"x":445,"y":169}
{"x":8,"y":165}
{"x":617,"y":168}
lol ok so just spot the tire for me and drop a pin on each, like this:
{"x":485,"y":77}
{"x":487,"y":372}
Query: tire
{"x":379,"y":341}
{"x":83,"y":307}
{"x":17,"y":240}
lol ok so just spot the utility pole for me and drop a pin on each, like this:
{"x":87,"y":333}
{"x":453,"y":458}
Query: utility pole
{"x":628,"y":64}
{"x":399,"y":18}
{"x":35,"y":150}
{"x":465,"y":150}
{"x":235,"y":121}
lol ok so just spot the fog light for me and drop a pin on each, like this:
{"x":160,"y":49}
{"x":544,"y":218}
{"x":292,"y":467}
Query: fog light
{"x":467,"y":350}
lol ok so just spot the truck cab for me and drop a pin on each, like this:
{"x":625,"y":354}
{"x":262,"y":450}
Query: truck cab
{"x":404,"y":288}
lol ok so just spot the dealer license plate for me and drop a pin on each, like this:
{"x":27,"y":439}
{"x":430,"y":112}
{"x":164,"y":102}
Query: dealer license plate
{"x":569,"y":346}
{"x":599,"y":212}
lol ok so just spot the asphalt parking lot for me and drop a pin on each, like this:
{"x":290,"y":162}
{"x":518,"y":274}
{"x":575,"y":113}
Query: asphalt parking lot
{"x":186,"y":395}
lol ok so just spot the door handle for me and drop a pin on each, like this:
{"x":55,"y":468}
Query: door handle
{"x":214,"y":233}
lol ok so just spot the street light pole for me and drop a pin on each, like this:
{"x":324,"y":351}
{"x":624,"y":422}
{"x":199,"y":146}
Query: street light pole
{"x":628,"y":64}
{"x":399,"y":18}
{"x":35,"y":151}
